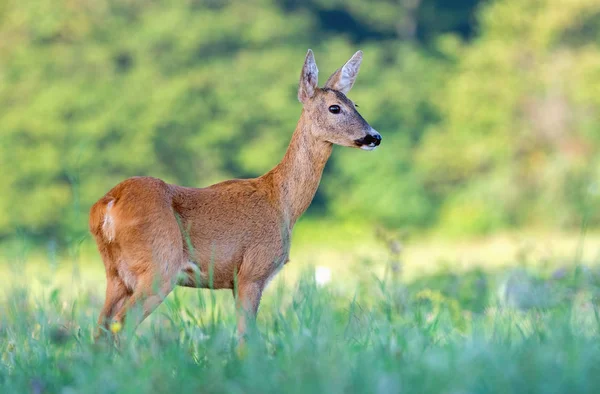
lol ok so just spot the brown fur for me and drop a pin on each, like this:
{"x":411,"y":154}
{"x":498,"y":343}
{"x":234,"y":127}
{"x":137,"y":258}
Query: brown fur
{"x":153,"y":235}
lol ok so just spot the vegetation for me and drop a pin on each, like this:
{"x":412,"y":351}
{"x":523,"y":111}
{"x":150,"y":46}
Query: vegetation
{"x":521,"y":330}
{"x":489,"y":110}
{"x":490,"y":116}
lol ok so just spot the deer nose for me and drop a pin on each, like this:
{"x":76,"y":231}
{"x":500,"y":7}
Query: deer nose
{"x":369,"y":141}
{"x":373,"y":139}
{"x":377,"y":139}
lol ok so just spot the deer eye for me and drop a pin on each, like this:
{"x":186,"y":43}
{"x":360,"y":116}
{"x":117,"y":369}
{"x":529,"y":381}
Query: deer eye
{"x":334,"y":109}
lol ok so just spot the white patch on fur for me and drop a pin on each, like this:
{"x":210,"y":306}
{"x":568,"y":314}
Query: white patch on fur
{"x":191,"y":266}
{"x":126,"y":276}
{"x":108,"y":224}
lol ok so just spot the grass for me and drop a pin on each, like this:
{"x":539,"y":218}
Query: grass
{"x":529,"y":327}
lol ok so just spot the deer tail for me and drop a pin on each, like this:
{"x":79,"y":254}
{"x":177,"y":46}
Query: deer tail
{"x":102,"y":221}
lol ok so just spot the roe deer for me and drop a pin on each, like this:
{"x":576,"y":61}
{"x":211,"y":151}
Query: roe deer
{"x":234,"y":235}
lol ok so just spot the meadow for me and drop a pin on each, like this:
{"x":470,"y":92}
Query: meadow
{"x":486,"y":279}
{"x":383,"y":323}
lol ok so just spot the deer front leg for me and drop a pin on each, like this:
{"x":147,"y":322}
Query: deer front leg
{"x":247,"y":301}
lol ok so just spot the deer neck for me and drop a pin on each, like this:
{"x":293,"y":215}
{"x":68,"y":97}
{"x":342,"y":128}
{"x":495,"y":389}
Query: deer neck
{"x":296,"y":178}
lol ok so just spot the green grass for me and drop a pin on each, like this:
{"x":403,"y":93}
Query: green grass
{"x":532,"y":329}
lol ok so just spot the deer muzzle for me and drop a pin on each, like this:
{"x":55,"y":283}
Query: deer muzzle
{"x":369,"y":141}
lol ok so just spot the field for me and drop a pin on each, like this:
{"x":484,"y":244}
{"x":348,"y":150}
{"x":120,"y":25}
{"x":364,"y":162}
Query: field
{"x":462,"y":256}
{"x":387,"y":321}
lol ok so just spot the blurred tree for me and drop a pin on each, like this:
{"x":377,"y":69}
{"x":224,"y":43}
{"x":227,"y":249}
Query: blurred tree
{"x":197,"y":91}
{"x":519,"y":139}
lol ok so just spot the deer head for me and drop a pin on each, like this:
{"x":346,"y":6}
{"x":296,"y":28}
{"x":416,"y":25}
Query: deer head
{"x":333,"y":115}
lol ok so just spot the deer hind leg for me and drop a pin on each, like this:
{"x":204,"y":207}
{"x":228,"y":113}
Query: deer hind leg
{"x":116,"y":296}
{"x":151,"y":259}
{"x":148,"y":294}
{"x":116,"y":291}
{"x":151,"y":280}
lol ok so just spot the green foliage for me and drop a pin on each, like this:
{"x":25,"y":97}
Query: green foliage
{"x":518,"y":142}
{"x":448,"y":333}
{"x":493,"y":129}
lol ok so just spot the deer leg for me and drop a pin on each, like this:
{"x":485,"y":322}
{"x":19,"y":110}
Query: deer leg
{"x":116,"y":296}
{"x":149,"y":294}
{"x":153,"y":271}
{"x":247,"y":301}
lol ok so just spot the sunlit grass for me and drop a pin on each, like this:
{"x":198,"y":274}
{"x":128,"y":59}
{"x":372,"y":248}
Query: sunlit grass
{"x":492,"y":316}
{"x":445,"y":333}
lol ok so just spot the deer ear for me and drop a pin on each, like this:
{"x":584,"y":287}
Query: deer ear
{"x":343,"y":79}
{"x":308,"y":79}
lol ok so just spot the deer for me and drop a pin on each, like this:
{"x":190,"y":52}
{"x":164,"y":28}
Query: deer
{"x":153,"y":236}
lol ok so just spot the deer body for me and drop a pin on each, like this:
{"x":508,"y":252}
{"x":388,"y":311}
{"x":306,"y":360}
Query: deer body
{"x":231,"y":235}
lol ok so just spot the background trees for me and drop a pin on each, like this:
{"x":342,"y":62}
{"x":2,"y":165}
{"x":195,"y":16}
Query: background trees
{"x":489,"y":109}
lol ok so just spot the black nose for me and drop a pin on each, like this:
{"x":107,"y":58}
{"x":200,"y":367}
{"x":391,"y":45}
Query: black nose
{"x":372,"y":139}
